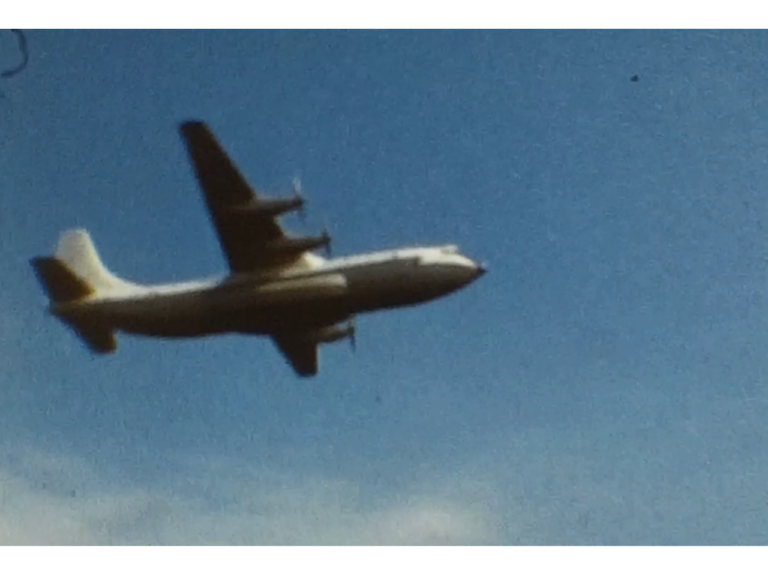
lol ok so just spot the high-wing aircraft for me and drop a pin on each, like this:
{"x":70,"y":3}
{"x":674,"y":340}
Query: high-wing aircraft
{"x":277,"y":285}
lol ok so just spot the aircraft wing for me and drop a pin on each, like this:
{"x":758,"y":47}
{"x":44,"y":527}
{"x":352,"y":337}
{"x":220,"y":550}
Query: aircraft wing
{"x":243,"y":240}
{"x":301,"y":354}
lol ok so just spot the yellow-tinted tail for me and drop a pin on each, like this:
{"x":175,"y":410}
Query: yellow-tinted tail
{"x":77,"y":251}
{"x":59,"y":281}
{"x":76,"y":273}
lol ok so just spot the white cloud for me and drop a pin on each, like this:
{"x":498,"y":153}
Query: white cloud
{"x":688,"y":471}
{"x":31,"y":516}
{"x":228,"y":504}
{"x":659,"y":485}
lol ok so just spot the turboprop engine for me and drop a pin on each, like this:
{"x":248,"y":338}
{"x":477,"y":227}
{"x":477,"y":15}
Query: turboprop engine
{"x":336,"y":333}
{"x":273,"y":207}
{"x":269,"y":207}
{"x":289,"y":246}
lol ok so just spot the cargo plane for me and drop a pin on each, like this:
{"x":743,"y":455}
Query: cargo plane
{"x":277,"y":285}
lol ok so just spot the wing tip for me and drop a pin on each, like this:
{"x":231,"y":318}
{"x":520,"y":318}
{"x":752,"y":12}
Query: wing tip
{"x":306,"y":373}
{"x":192,"y":125}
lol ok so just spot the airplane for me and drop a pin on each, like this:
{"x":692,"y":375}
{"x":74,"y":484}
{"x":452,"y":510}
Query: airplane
{"x":277,"y":285}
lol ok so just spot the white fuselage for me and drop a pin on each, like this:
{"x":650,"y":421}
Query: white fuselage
{"x":313,"y":293}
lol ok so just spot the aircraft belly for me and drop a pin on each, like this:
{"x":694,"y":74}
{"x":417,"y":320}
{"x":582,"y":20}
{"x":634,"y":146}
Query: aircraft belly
{"x":166,"y":316}
{"x":289,"y":318}
{"x":231,"y":308}
{"x":270,"y":308}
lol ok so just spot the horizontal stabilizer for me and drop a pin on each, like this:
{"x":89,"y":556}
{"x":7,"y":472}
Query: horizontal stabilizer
{"x":301,"y":354}
{"x":58,"y":280}
{"x":98,"y":339}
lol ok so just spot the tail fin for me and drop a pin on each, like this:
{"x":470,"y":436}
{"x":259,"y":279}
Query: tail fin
{"x":59,"y":282}
{"x":64,"y":286}
{"x":76,"y":250}
{"x":76,"y":273}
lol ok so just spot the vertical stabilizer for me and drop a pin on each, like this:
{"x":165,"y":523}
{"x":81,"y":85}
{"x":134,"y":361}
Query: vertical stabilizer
{"x":70,"y":279}
{"x":77,"y":251}
{"x":59,"y":282}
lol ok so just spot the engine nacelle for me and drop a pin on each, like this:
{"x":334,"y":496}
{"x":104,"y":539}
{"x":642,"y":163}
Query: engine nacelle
{"x":291,"y":246}
{"x":268,"y":207}
{"x":335,"y":333}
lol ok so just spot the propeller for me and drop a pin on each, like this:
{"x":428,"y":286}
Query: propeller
{"x":326,"y":235}
{"x":353,"y":335}
{"x":327,"y":239}
{"x":298,"y":192}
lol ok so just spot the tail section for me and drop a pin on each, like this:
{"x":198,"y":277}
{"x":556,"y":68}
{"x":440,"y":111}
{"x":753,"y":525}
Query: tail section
{"x":98,"y":339}
{"x":76,"y":274}
{"x":59,"y":282}
{"x":77,"y":251}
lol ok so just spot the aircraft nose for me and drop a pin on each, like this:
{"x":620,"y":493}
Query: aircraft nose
{"x":481,"y":269}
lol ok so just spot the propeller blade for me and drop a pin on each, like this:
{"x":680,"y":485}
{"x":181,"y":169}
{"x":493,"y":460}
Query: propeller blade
{"x":298,"y":192}
{"x":327,"y":237}
{"x":301,"y":211}
{"x":353,"y":336}
{"x":327,"y":234}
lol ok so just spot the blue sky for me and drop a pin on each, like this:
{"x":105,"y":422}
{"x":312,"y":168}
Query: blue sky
{"x":603,"y":384}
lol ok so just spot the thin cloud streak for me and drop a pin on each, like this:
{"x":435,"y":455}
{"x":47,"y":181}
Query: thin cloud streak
{"x":75,"y":505}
